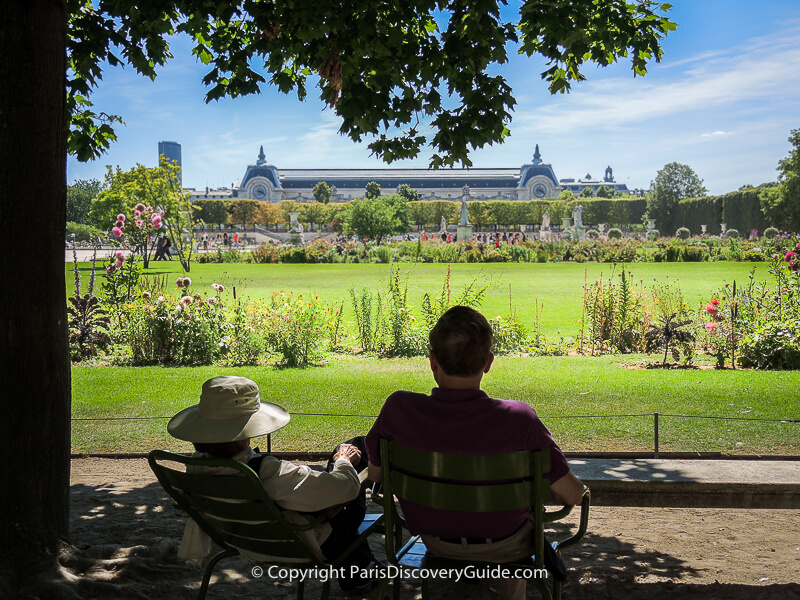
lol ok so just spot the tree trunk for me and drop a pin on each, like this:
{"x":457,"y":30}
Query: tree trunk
{"x":35,"y":401}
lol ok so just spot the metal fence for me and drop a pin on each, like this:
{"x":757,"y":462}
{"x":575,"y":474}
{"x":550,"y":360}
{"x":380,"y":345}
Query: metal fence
{"x":656,"y":417}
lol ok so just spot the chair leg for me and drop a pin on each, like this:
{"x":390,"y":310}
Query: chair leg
{"x":557,"y":590}
{"x":207,"y":575}
{"x":382,"y":586}
{"x":326,"y":589}
{"x":425,"y":595}
{"x":544,"y":590}
{"x":300,"y":589}
{"x":395,"y":590}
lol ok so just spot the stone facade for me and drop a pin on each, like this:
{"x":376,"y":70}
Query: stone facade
{"x":533,"y":181}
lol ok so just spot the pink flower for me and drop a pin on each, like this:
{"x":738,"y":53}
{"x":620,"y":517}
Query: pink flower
{"x":120,"y":224}
{"x":776,"y":256}
{"x":179,"y":282}
{"x":109,"y":270}
{"x":711,"y":327}
{"x":117,"y":232}
{"x":120,"y":257}
{"x":121,"y":217}
{"x":139,"y":207}
{"x":711,"y":309}
{"x":163,"y":213}
{"x":715,"y":302}
{"x":149,"y":209}
{"x":137,"y":213}
{"x":139,"y":223}
{"x":788,"y":256}
{"x":118,"y":264}
{"x":797,"y":245}
{"x":187,"y":300}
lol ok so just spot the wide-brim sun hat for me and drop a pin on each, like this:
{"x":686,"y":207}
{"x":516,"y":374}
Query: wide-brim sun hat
{"x":230,"y":409}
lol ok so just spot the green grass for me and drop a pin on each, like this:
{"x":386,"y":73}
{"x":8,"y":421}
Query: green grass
{"x":555,"y":386}
{"x":557,"y":286}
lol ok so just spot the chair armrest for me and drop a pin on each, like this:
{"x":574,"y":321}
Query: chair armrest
{"x":557,"y":515}
{"x":583,"y":524}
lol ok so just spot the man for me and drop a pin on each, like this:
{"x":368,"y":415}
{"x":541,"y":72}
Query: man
{"x":460,"y":418}
{"x":231,"y":412}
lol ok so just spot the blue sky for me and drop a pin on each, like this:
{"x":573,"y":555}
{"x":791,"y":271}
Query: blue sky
{"x":723,"y":100}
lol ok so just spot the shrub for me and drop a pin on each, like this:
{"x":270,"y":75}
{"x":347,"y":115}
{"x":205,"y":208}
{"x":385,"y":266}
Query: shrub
{"x":165,"y":330}
{"x":264,"y":254}
{"x":771,"y":346}
{"x":295,"y":327}
{"x":509,"y":335}
{"x":614,"y":315}
{"x":614,"y":233}
{"x":83,"y":233}
{"x":732,"y":233}
{"x":683,"y":233}
{"x":771,"y":232}
{"x":592,"y":234}
{"x":672,"y":336}
{"x":653,"y":234}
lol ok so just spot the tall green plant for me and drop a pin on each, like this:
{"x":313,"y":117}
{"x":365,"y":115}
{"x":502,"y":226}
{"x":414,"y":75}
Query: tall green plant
{"x":615,"y":314}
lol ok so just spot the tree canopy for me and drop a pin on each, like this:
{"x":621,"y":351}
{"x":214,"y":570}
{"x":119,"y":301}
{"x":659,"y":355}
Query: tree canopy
{"x":79,"y":200}
{"x":159,"y":191}
{"x":673,"y":183}
{"x":375,"y":218}
{"x":373,"y":190}
{"x":391,"y":71}
{"x":783,"y":207}
{"x":322,"y":192}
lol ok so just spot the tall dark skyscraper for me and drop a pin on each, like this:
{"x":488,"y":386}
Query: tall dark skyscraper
{"x":171,"y":151}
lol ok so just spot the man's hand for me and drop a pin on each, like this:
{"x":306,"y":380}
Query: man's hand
{"x":349,"y":452}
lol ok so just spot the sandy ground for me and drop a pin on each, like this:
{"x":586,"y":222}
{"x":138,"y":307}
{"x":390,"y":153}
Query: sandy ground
{"x":628,"y":553}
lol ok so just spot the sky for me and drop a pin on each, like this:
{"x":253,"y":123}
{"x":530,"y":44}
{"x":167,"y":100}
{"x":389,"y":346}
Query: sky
{"x":723,"y":100}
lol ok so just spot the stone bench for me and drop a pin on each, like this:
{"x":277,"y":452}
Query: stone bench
{"x":682,"y":483}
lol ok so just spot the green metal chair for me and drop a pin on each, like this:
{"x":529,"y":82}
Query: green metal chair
{"x":467,"y":483}
{"x":235,"y":511}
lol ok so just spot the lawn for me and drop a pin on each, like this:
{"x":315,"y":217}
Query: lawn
{"x":557,"y":288}
{"x":349,"y":392}
{"x":340,"y":398}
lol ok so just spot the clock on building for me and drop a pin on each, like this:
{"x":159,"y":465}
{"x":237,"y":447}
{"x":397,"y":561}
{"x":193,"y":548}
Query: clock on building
{"x":539,"y":190}
{"x":259,"y":192}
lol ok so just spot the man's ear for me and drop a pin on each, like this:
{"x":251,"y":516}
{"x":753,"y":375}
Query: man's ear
{"x":489,"y":363}
{"x":433,"y":363}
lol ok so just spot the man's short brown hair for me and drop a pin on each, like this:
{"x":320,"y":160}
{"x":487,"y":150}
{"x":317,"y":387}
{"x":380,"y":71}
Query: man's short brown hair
{"x":461,"y":341}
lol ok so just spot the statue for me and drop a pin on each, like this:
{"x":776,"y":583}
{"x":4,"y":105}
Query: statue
{"x":443,"y":224}
{"x":464,"y":212}
{"x":546,"y":220}
{"x":577,"y":216}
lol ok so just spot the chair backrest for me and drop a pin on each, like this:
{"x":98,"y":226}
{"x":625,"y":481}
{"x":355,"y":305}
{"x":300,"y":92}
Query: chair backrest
{"x":234,"y":510}
{"x":466,"y":483}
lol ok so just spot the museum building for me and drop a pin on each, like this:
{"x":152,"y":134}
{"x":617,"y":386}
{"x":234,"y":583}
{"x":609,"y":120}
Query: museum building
{"x":534,"y":180}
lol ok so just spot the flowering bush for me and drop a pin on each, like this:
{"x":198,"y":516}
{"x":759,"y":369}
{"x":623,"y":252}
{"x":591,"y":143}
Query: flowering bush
{"x":720,"y":337}
{"x":137,"y":232}
{"x":120,"y":282}
{"x":294,"y":327}
{"x":166,"y":330}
